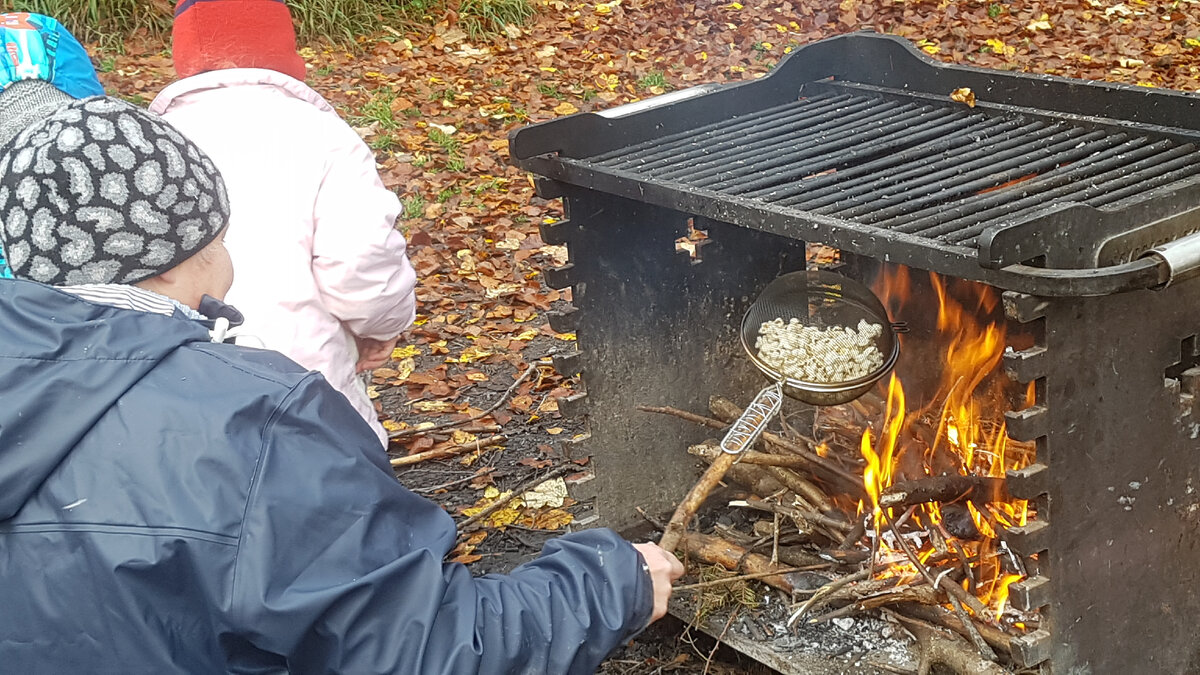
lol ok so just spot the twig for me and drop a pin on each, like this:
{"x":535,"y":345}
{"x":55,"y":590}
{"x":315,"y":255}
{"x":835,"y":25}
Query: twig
{"x":720,"y":638}
{"x":794,"y":513}
{"x":980,"y":645}
{"x":528,"y":485}
{"x":938,"y":647}
{"x":404,"y":433}
{"x":747,"y":577}
{"x":448,"y":452}
{"x":824,"y":592}
{"x":443,"y":486}
{"x":684,"y":415}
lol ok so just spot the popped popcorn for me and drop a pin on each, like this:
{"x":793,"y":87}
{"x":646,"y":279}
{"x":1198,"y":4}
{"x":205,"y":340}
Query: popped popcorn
{"x":825,"y":355}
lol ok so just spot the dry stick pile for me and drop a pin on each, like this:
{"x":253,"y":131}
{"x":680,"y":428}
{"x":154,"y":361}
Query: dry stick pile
{"x":798,"y":491}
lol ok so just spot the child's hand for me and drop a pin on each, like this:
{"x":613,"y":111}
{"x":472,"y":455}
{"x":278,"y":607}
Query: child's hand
{"x":373,"y":354}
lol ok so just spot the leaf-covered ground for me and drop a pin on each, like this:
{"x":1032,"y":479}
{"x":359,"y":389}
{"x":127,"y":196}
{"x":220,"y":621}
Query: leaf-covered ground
{"x":437,"y":108}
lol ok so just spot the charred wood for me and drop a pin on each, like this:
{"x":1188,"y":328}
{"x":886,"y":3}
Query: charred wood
{"x":951,"y":488}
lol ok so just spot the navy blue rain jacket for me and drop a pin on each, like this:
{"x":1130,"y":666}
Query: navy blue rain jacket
{"x":172,"y":505}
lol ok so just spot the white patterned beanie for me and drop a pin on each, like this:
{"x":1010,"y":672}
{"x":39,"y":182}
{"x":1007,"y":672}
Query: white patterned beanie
{"x":103,"y":192}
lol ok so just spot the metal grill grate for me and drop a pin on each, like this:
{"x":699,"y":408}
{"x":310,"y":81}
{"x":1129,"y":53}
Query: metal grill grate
{"x":855,"y":142}
{"x":940,"y":172}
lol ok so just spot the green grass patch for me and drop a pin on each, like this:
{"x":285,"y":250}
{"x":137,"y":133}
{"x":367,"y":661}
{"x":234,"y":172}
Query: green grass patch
{"x":484,"y":18}
{"x":654,"y":78}
{"x":551,"y":91}
{"x":414,"y":206}
{"x":377,"y":110}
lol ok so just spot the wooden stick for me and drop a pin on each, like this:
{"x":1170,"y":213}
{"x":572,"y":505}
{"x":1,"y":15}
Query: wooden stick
{"x":995,"y":637}
{"x":524,"y":487}
{"x":451,"y":451}
{"x":757,"y":458}
{"x":826,"y":591}
{"x":683,"y":515}
{"x":434,"y":488}
{"x":980,"y":644}
{"x":939,"y":648}
{"x":903,"y":494}
{"x":717,"y":551}
{"x":684,"y":415}
{"x":404,"y":433}
{"x":795,"y":513}
{"x":746,"y":577}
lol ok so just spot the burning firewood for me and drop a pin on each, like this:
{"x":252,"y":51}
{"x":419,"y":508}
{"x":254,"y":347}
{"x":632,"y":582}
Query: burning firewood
{"x":903,"y":494}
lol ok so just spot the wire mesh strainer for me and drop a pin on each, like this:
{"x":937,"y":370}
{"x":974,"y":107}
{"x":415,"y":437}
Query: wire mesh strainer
{"x":830,"y":343}
{"x":829,"y":304}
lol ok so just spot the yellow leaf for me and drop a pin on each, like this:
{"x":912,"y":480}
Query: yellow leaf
{"x":477,"y":377}
{"x":703,"y":56}
{"x":963,"y":95}
{"x":548,"y":69}
{"x":473,"y":353}
{"x":1040,"y":24}
{"x":372,"y":393}
{"x":1191,"y":43}
{"x":433,"y":406}
{"x":491,"y":492}
{"x":405,"y":352}
{"x":392,"y":425}
{"x":929,"y":47}
{"x":461,"y":437}
{"x":734,"y":5}
{"x":527,"y":335}
{"x":565,"y":108}
{"x":554,"y":519}
{"x":566,"y":337}
{"x":308,"y":53}
{"x":405,"y":368}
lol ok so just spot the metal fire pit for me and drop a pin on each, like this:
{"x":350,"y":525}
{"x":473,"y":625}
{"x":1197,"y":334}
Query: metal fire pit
{"x":1079,"y":200}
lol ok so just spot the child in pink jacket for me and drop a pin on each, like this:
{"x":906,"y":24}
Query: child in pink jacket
{"x":321,"y":272}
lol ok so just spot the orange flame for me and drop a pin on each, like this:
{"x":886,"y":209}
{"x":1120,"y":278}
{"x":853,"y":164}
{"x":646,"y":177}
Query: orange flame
{"x":970,"y":438}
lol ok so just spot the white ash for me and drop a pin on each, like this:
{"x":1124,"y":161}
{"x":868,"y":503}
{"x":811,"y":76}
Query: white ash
{"x":817,"y":354}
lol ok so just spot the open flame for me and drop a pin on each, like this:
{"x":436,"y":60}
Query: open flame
{"x":968,"y":439}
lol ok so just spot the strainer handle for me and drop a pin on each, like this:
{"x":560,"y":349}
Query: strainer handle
{"x":749,"y":426}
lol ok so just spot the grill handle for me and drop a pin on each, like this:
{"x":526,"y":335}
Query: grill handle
{"x":659,"y":101}
{"x":1179,"y":259}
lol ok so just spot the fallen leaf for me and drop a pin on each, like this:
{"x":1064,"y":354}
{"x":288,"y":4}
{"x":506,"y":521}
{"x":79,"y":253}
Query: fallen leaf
{"x":963,"y":95}
{"x":550,"y":493}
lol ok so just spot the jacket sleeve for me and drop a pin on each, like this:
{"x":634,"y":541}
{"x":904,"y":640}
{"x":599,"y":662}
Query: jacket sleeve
{"x":340,"y":569}
{"x":359,"y":261}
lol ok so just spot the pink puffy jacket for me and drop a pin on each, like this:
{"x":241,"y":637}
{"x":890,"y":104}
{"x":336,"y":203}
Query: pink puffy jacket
{"x":317,"y":259}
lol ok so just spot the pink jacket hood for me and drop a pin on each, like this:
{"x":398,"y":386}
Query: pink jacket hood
{"x":317,"y":259}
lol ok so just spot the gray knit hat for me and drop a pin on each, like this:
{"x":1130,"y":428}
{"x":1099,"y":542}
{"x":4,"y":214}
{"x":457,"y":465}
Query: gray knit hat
{"x":102,"y":191}
{"x":25,"y":102}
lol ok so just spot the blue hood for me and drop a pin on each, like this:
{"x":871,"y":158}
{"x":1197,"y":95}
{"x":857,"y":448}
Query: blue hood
{"x":70,"y":360}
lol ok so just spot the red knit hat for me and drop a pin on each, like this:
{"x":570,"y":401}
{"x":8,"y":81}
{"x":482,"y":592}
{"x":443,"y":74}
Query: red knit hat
{"x":219,"y":34}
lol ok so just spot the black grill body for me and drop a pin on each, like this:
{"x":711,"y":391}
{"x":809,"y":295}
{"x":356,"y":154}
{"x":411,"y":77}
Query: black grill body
{"x":1049,"y":189}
